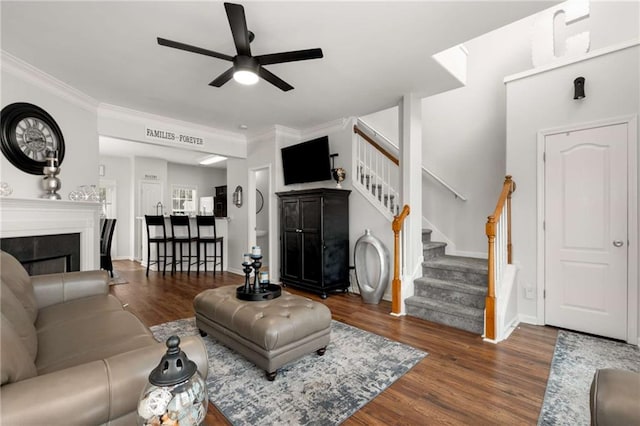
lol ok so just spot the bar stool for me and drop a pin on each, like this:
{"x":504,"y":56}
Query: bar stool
{"x":181,"y":232}
{"x":206,"y":226}
{"x":106,"y":262}
{"x":157,"y":234}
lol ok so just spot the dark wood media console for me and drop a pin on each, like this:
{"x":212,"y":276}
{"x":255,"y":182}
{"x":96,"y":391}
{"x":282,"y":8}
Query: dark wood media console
{"x":314,"y":239}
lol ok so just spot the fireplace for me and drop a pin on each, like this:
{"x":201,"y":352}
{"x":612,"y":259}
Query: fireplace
{"x":30,"y":217}
{"x":45,"y":254}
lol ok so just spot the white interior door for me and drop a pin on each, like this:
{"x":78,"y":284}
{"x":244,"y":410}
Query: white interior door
{"x":150,"y":195}
{"x":586,"y":239}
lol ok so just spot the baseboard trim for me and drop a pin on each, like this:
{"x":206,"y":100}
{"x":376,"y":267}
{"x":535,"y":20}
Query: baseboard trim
{"x":529,"y":319}
{"x":235,"y":271}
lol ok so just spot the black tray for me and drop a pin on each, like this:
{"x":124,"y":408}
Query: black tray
{"x":271,"y":291}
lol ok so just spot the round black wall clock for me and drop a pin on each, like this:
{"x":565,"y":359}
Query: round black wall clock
{"x":29,"y":133}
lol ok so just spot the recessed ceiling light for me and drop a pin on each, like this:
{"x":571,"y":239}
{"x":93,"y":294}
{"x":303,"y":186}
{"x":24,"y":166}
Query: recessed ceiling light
{"x":213,"y":159}
{"x":243,"y":127}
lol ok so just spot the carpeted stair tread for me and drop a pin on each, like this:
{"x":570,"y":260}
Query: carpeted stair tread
{"x":426,"y":235}
{"x":449,"y":308}
{"x":433,"y":249}
{"x":452,"y":285}
{"x":433,"y":244}
{"x":458,"y":263}
{"x":453,"y":292}
{"x":450,"y":314}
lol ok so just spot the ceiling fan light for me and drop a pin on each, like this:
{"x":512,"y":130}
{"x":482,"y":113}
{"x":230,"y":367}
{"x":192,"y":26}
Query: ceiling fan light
{"x":245,"y":77}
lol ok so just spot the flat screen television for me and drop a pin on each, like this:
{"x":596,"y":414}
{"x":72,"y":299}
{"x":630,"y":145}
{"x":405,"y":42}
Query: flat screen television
{"x":306,"y":161}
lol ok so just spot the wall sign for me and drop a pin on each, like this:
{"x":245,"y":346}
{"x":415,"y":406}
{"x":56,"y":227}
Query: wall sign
{"x":171,"y":136}
{"x":546,"y":30}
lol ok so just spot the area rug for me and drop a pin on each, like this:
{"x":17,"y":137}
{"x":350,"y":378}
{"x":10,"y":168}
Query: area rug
{"x":315,"y":390}
{"x":117,"y":279}
{"x":575,"y":360}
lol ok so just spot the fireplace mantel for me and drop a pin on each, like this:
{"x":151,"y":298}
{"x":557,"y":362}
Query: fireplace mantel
{"x":24,"y":217}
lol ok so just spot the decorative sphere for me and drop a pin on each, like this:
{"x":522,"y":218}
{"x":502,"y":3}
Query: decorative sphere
{"x":51,"y":184}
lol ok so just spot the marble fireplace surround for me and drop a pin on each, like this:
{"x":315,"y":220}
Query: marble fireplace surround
{"x":24,"y":217}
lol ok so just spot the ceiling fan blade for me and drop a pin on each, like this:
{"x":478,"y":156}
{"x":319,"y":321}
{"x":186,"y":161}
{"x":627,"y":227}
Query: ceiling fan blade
{"x":222,"y":78}
{"x":274,"y":79}
{"x":193,"y":49}
{"x":296,"y":55}
{"x":238,"y":24}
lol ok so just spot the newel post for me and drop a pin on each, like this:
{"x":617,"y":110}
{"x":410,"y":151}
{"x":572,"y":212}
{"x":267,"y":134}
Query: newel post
{"x":396,"y":284}
{"x":490,"y":310}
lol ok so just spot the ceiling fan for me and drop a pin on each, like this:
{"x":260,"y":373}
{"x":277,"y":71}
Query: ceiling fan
{"x":246,"y":69}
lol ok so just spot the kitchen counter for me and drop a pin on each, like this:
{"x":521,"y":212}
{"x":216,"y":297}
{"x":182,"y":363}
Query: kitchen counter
{"x":221,"y":231}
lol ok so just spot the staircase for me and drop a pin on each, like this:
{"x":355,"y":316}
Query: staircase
{"x":452,"y":289}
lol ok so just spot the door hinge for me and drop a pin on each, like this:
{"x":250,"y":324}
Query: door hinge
{"x":544,"y":294}
{"x":544,"y":225}
{"x":544,"y":156}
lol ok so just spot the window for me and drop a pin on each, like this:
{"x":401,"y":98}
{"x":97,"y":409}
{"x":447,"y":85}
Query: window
{"x":183,"y":199}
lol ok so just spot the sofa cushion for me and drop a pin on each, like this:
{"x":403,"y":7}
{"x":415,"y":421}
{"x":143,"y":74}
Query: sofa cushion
{"x":15,"y":313}
{"x":615,"y":397}
{"x":74,"y":310}
{"x":16,"y":363}
{"x":16,"y":277}
{"x":92,"y":338}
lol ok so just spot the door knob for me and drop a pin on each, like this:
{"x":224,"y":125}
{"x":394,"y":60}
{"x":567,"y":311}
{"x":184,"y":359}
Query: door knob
{"x":618,"y":243}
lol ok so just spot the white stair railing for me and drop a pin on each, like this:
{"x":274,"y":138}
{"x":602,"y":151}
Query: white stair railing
{"x":377,"y":173}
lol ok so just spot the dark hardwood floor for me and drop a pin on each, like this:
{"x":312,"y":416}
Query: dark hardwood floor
{"x":463,"y":380}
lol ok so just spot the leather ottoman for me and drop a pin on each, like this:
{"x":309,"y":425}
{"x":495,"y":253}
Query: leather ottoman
{"x":615,"y":397}
{"x":269,"y":333}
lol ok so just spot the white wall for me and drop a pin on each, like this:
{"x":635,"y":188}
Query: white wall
{"x":238,"y":216}
{"x":119,"y":170}
{"x":386,"y":123}
{"x":612,"y":90}
{"x":76,"y":118}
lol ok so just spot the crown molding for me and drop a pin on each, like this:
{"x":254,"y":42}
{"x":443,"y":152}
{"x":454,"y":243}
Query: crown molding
{"x":266,"y":134}
{"x":308,"y":133}
{"x":287,"y":132}
{"x":325,"y":128}
{"x":127,"y":114}
{"x":273,"y":132}
{"x":30,"y":74}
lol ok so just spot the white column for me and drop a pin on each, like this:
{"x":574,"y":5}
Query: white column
{"x":411,"y":190}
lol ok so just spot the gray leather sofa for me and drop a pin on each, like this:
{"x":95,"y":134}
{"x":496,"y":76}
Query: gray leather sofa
{"x":70,"y":353}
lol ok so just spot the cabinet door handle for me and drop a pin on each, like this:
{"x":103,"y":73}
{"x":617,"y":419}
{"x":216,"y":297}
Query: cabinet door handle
{"x":298,"y":230}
